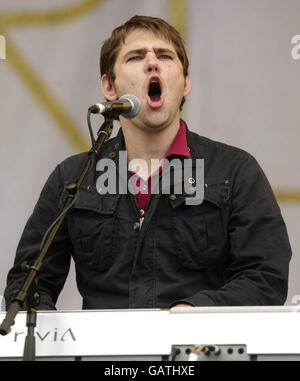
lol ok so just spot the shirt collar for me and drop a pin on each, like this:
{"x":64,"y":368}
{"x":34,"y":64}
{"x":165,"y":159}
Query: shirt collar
{"x":179,"y":145}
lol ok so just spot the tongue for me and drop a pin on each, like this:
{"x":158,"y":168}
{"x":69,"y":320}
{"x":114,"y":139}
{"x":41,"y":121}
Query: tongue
{"x":155,"y":97}
{"x":155,"y":101}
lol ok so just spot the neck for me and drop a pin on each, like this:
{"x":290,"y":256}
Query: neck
{"x":148,"y":144}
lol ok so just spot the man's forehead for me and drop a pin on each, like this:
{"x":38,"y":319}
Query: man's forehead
{"x":143,"y":38}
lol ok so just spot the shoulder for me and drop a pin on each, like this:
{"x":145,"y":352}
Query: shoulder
{"x":208,"y":147}
{"x":223,"y":161}
{"x":73,"y":164}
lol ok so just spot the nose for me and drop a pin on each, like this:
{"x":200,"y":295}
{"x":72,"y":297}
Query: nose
{"x":152,"y":63}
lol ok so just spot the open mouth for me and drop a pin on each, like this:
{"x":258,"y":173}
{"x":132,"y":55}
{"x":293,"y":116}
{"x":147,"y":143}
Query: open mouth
{"x":154,"y":95}
{"x":154,"y":91}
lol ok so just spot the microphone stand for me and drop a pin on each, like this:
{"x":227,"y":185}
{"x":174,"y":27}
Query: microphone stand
{"x":32,"y":301}
{"x":28,"y":292}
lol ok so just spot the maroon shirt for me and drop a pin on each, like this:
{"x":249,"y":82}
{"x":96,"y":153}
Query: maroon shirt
{"x":143,"y":187}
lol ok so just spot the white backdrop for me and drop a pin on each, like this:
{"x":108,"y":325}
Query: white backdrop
{"x":245,"y":92}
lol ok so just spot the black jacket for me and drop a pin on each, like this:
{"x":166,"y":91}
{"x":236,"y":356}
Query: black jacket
{"x":232,"y":249}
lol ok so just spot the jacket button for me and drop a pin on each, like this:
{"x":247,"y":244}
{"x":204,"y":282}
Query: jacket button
{"x":173,"y":197}
{"x":136,"y":226}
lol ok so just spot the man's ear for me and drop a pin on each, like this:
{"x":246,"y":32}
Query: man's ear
{"x":108,"y":88}
{"x":187,"y":84}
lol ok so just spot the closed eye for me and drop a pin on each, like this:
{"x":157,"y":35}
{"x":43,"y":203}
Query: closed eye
{"x":165,"y":57}
{"x":134,"y":58}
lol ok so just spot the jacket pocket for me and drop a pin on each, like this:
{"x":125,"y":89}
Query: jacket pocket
{"x":198,"y":230}
{"x":91,"y":229}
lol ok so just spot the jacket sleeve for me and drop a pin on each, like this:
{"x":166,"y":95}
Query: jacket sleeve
{"x":57,"y":261}
{"x":259,"y":249}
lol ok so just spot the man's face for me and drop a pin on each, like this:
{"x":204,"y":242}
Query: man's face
{"x":148,"y":67}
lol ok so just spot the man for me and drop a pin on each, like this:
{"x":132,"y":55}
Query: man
{"x":155,"y":250}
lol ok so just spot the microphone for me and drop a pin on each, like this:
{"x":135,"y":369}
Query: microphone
{"x":127,"y":105}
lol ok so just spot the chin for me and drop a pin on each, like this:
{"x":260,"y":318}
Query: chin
{"x":156,"y":121}
{"x":155,"y":126}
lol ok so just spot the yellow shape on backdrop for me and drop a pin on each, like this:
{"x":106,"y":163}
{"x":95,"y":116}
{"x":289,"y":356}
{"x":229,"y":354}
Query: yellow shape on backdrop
{"x":51,"y":16}
{"x":33,"y":82}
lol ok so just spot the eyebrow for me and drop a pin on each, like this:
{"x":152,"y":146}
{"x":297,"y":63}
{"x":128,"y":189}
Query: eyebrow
{"x":144,"y":51}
